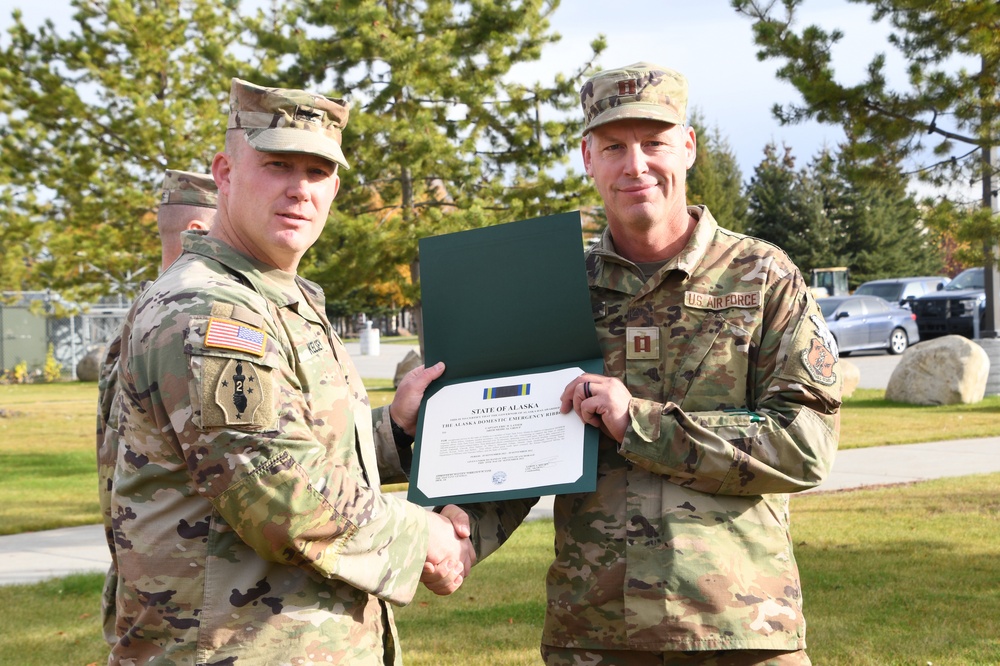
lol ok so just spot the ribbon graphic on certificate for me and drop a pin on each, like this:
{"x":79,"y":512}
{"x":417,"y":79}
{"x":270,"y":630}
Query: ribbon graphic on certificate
{"x":507,"y":308}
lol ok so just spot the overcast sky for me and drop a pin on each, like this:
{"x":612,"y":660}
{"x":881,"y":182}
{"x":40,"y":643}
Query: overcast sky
{"x":706,"y":41}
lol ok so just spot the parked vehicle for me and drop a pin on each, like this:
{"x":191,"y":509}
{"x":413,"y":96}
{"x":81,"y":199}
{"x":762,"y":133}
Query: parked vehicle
{"x":869,"y":322}
{"x":829,"y":281}
{"x":950,"y":311}
{"x":901,"y":291}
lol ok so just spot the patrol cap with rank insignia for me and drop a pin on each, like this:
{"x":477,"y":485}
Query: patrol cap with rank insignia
{"x":282,"y":120}
{"x":641,"y":91}
{"x":189,"y":189}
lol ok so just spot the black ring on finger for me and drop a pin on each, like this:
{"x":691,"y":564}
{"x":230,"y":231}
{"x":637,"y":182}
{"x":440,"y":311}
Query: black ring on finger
{"x":586,"y":390}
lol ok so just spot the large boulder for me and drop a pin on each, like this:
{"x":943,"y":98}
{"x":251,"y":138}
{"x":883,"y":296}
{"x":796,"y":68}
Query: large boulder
{"x":89,"y":367}
{"x":944,"y":371}
{"x":852,"y":375}
{"x":410,"y":361}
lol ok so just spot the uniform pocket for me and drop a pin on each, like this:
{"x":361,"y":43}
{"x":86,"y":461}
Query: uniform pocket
{"x":713,"y":372}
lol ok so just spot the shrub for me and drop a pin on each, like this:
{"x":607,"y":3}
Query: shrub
{"x":53,"y":368}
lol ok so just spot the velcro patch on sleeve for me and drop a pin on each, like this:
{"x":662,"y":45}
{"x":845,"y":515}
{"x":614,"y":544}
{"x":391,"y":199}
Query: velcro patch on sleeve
{"x":816,"y":350}
{"x":229,"y":334}
{"x":236,"y":393}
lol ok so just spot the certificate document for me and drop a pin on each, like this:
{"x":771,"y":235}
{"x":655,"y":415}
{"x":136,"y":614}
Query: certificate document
{"x":507,"y":308}
{"x":502,"y":434}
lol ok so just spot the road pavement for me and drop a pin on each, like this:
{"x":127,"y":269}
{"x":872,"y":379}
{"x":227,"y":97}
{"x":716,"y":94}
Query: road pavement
{"x":875,"y":366}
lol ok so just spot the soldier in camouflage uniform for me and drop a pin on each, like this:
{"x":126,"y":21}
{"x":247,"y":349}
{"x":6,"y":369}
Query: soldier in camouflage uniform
{"x":246,"y":515}
{"x":720,"y":396}
{"x":187,"y":201}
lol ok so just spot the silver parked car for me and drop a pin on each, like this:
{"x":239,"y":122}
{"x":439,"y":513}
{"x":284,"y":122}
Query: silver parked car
{"x":869,"y":322}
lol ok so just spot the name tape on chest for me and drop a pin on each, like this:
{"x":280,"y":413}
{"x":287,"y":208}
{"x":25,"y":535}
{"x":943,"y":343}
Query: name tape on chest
{"x":309,"y":351}
{"x":229,"y":334}
{"x":734,"y":299}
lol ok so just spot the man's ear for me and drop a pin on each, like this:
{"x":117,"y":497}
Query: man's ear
{"x":690,"y":145}
{"x":221,"y":171}
{"x":585,"y":149}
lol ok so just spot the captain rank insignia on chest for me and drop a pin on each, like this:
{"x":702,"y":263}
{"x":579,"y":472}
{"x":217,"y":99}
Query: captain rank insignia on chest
{"x":642,"y":342}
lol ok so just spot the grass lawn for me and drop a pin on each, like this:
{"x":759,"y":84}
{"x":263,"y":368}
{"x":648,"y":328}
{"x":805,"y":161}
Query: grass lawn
{"x":48,"y":455}
{"x":867,"y":419}
{"x":47,"y":443}
{"x":893,"y":576}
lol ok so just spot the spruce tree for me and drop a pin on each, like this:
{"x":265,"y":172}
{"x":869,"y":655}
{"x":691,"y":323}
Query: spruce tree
{"x":715,"y":178}
{"x":88,"y":123}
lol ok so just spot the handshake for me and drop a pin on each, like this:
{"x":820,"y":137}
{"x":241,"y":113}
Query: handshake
{"x":450,"y":554}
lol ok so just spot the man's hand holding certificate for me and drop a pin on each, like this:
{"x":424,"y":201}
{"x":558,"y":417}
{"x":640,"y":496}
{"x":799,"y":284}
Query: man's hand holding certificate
{"x":507,"y":309}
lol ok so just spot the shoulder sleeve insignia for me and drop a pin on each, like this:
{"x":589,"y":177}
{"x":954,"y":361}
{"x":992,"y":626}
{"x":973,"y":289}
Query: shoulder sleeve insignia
{"x":228,"y":334}
{"x":243,"y":394}
{"x":820,"y":357}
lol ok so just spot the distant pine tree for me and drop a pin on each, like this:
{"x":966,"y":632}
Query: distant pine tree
{"x":715,"y":179}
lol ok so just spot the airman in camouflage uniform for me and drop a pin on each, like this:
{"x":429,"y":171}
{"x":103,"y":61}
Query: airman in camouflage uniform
{"x":720,"y":396}
{"x":245,"y":510}
{"x":187,"y":201}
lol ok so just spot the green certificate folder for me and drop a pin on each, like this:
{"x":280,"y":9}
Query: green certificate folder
{"x":502,"y":304}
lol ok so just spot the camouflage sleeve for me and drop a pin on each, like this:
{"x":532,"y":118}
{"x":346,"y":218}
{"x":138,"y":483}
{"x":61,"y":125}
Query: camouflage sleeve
{"x":781,"y":439}
{"x":492,"y":523}
{"x":393,"y":463}
{"x":375,"y":542}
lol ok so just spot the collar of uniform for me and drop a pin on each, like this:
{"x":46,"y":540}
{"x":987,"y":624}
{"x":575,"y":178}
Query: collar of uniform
{"x":279,"y":287}
{"x":686,"y":260}
{"x":607,"y":268}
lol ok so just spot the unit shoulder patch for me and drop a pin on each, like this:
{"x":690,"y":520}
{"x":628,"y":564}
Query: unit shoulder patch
{"x":820,"y":357}
{"x":236,"y":393}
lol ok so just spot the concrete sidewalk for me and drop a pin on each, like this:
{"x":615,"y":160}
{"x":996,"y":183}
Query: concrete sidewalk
{"x":27,"y":558}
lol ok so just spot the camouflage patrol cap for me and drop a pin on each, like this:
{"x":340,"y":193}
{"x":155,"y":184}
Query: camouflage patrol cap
{"x":641,"y":91}
{"x":192,"y":189}
{"x":283,"y":120}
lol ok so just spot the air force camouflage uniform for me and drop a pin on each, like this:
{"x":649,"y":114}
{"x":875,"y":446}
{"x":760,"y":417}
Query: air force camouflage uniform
{"x":246,"y":515}
{"x":685,"y":544}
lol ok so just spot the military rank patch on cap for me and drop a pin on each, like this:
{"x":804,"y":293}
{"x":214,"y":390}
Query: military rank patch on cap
{"x":228,"y":334}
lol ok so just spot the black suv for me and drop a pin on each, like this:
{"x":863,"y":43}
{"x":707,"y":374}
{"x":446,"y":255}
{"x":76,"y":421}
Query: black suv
{"x":950,"y":310}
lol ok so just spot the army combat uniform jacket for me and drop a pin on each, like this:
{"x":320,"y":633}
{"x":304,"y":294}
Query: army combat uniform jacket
{"x":245,"y":511}
{"x":685,"y":543}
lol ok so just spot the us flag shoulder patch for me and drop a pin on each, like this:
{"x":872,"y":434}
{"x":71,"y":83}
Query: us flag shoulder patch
{"x":229,"y":334}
